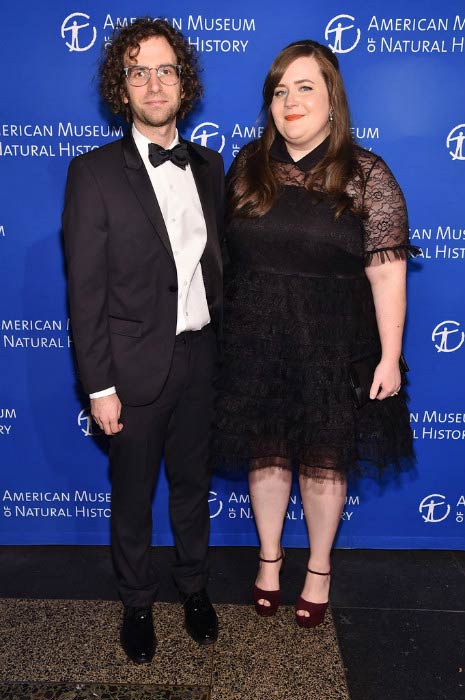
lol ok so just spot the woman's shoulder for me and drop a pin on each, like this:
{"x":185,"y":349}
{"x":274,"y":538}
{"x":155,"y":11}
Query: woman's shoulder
{"x":373,"y":167}
{"x":365,"y":159}
{"x":250,"y":146}
{"x":242,"y":157}
{"x":247,"y":150}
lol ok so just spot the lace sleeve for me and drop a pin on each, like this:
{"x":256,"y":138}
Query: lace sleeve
{"x":386,"y":222}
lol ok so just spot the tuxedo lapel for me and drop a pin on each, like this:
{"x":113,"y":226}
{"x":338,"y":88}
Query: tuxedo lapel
{"x":142,"y":187}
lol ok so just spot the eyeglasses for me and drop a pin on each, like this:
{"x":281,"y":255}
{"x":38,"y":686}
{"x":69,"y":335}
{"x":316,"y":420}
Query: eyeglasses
{"x":167,"y":73}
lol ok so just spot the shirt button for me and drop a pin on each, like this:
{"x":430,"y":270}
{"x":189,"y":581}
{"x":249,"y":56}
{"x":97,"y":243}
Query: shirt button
{"x":185,"y":284}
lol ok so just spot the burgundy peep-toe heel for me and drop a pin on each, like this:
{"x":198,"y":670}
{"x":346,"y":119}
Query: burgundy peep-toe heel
{"x":316,"y":610}
{"x":273,"y":597}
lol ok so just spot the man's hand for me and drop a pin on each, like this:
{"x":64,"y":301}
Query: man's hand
{"x":106,"y":412}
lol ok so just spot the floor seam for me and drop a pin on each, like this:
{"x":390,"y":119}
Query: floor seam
{"x":440,"y":610}
{"x":344,"y":668}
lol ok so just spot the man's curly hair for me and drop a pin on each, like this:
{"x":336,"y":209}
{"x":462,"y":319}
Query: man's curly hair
{"x":113,"y":80}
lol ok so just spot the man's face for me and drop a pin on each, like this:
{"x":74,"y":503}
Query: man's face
{"x":153,"y":104}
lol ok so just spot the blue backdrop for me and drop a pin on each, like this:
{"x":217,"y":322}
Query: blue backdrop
{"x":403,"y":65}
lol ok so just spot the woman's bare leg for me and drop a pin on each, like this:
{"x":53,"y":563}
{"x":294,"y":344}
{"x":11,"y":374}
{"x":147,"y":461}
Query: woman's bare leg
{"x":323,"y":501}
{"x":269,"y":489}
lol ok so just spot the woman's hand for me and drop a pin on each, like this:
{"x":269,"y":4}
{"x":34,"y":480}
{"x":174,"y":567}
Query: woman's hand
{"x":386,"y":380}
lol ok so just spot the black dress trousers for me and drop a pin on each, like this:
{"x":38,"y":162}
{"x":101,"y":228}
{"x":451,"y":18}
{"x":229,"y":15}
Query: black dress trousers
{"x":177,"y":426}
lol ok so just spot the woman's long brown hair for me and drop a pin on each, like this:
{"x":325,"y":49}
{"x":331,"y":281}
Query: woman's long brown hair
{"x":252,"y":187}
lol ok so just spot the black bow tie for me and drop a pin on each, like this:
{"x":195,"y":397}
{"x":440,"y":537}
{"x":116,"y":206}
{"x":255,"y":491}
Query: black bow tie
{"x":177,"y":155}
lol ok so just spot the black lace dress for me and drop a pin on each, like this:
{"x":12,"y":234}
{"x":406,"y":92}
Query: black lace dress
{"x":298,"y":309}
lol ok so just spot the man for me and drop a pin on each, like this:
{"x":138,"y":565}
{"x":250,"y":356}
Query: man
{"x":141,"y":223}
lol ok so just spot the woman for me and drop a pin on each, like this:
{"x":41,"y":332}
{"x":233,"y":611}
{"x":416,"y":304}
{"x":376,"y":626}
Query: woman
{"x":317,"y":240}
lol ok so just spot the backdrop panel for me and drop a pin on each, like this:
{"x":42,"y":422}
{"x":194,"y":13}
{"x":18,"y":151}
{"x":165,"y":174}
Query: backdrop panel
{"x":403,"y":64}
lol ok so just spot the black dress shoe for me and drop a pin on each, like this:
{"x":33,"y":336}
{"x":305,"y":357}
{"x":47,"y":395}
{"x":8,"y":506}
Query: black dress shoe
{"x":137,"y":635}
{"x":200,"y":618}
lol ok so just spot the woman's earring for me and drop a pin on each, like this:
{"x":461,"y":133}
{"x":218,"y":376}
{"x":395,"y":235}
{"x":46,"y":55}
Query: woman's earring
{"x":331,"y":115}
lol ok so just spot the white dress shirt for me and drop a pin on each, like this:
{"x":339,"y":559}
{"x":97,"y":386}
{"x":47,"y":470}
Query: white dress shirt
{"x":180,"y":206}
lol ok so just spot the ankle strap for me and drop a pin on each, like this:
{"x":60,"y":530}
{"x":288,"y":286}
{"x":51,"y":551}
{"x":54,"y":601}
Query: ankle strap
{"x":271,"y":561}
{"x":318,"y":573}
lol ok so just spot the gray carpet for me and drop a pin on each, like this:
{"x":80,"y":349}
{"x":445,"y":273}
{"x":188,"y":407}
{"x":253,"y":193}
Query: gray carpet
{"x":68,"y":650}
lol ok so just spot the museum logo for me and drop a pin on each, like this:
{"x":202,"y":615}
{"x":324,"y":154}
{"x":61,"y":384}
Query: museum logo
{"x":433,"y":508}
{"x":88,"y":426}
{"x":77,"y":32}
{"x":207,"y":134}
{"x":447,"y":336}
{"x":454,"y":142}
{"x":216,"y":505}
{"x":342,"y":34}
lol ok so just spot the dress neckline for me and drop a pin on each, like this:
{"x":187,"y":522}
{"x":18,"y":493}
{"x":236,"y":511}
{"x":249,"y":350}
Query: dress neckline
{"x":278,"y":151}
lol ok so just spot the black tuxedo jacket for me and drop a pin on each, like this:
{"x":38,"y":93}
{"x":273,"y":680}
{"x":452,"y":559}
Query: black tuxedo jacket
{"x":121,"y":269}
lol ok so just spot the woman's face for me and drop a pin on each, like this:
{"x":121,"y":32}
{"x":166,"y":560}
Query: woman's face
{"x":300,"y":107}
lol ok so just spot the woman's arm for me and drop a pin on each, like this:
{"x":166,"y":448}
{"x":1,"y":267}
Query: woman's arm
{"x":387,"y":248}
{"x":388,"y":285}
